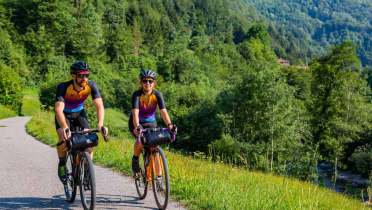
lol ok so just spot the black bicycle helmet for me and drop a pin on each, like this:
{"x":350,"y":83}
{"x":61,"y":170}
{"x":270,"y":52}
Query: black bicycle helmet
{"x":79,"y":67}
{"x":146,"y":73}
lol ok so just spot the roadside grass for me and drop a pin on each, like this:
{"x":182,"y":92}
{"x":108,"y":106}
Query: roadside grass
{"x":30,"y":102}
{"x":41,"y":126}
{"x":117,"y":122}
{"x":200,"y":183}
{"x":5,"y":112}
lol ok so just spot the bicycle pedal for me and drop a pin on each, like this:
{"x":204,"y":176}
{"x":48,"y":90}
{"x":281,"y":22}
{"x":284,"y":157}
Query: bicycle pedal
{"x":136,"y":175}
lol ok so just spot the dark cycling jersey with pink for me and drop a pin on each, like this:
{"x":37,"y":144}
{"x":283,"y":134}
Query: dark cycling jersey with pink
{"x":147,"y":105}
{"x":74,"y":100}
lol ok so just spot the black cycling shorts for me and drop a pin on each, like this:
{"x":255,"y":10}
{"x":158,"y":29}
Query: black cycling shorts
{"x":75,"y":119}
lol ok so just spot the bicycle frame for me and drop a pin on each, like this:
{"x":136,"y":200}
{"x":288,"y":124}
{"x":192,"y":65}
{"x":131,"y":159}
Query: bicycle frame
{"x":81,"y":173}
{"x":153,"y":162}
{"x":154,"y":171}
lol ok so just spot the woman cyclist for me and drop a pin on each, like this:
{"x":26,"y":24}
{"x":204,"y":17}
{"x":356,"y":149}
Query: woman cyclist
{"x":144,"y":104}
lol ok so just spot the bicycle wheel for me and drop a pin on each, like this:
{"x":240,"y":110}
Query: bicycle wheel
{"x":87,"y":182}
{"x":160,"y":180}
{"x":140,"y":179}
{"x":70,"y":185}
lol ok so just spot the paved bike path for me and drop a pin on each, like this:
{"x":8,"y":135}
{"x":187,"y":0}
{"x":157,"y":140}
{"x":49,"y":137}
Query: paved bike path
{"x":28,"y":176}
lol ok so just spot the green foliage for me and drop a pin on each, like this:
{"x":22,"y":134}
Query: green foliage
{"x":30,"y":102}
{"x":10,"y":87}
{"x":307,"y":28}
{"x":254,"y":51}
{"x":361,"y":160}
{"x":201,"y":184}
{"x":12,"y":55}
{"x":262,"y":114}
{"x":87,"y":36}
{"x":225,"y":148}
{"x":117,"y":123}
{"x":5,"y":112}
{"x":217,"y":71}
{"x":341,"y":111}
{"x":41,"y":127}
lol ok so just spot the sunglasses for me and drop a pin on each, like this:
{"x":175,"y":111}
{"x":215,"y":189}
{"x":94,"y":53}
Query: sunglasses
{"x":147,"y":81}
{"x":82,"y":76}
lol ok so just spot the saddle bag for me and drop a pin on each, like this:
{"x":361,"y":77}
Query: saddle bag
{"x":83,"y":141}
{"x":156,"y":136}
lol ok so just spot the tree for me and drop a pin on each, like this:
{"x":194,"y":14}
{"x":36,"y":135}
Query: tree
{"x":263,"y":117}
{"x":87,"y":38}
{"x":340,"y":106}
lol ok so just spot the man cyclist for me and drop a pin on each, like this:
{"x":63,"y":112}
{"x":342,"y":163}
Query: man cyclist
{"x":69,"y":104}
{"x":144,"y":104}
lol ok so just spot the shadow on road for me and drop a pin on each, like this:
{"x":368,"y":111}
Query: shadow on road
{"x":121,"y":201}
{"x":58,"y":202}
{"x":34,"y":202}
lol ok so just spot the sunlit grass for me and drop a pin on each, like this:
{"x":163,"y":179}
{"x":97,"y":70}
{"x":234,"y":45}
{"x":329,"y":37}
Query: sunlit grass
{"x":202,"y":184}
{"x":41,"y":126}
{"x":30,"y":102}
{"x":5,"y":112}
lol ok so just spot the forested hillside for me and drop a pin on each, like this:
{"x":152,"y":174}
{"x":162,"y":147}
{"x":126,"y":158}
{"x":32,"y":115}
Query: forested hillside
{"x":217,"y":70}
{"x":315,"y":25}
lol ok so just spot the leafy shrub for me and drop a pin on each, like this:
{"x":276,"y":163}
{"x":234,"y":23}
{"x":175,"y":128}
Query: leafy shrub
{"x":362,"y":160}
{"x":225,"y":148}
{"x":10,"y":87}
{"x":47,"y":95}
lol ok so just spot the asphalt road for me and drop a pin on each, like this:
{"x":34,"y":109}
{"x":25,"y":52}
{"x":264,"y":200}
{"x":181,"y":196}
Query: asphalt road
{"x":28,"y":176}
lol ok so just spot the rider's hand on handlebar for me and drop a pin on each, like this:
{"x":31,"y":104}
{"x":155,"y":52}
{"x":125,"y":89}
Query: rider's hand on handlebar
{"x":172,"y":128}
{"x":137,"y":131}
{"x":104,"y":132}
{"x":66,"y":134}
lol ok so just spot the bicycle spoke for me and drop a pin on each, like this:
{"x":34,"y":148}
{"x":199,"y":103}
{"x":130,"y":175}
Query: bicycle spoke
{"x":140,"y":180}
{"x":160,"y":181}
{"x":69,"y":186}
{"x":87,"y":182}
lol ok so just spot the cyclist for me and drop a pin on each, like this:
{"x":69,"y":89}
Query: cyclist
{"x":144,"y":104}
{"x":69,"y":104}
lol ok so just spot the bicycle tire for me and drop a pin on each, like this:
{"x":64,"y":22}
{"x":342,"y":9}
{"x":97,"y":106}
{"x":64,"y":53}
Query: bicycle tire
{"x":140,"y":180}
{"x":159,"y":191}
{"x":87,"y":181}
{"x":70,"y":186}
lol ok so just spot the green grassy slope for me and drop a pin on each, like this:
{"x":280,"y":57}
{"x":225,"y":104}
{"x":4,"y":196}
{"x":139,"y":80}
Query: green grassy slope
{"x":201,"y":184}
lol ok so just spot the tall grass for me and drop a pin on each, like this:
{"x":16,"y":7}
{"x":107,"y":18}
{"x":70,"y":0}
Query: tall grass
{"x":5,"y":112}
{"x":42,"y":127}
{"x":30,"y":102}
{"x":202,"y":184}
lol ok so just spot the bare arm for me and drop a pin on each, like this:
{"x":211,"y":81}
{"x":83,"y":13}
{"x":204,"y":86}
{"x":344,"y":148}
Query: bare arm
{"x":59,"y":106}
{"x":135,"y":114}
{"x":165,"y":116}
{"x":100,"y":111}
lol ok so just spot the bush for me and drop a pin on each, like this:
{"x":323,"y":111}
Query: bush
{"x":47,"y":94}
{"x":225,"y":149}
{"x":10,"y":87}
{"x":362,"y":160}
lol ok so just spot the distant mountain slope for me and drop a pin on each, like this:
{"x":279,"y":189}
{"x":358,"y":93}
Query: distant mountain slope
{"x":316,"y":24}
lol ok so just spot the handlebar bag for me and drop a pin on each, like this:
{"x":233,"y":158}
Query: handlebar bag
{"x":83,"y":141}
{"x":156,"y":137}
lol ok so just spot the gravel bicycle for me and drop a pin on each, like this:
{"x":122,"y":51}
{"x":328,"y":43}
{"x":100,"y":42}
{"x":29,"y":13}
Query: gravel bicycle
{"x":79,"y":167}
{"x":153,"y":165}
